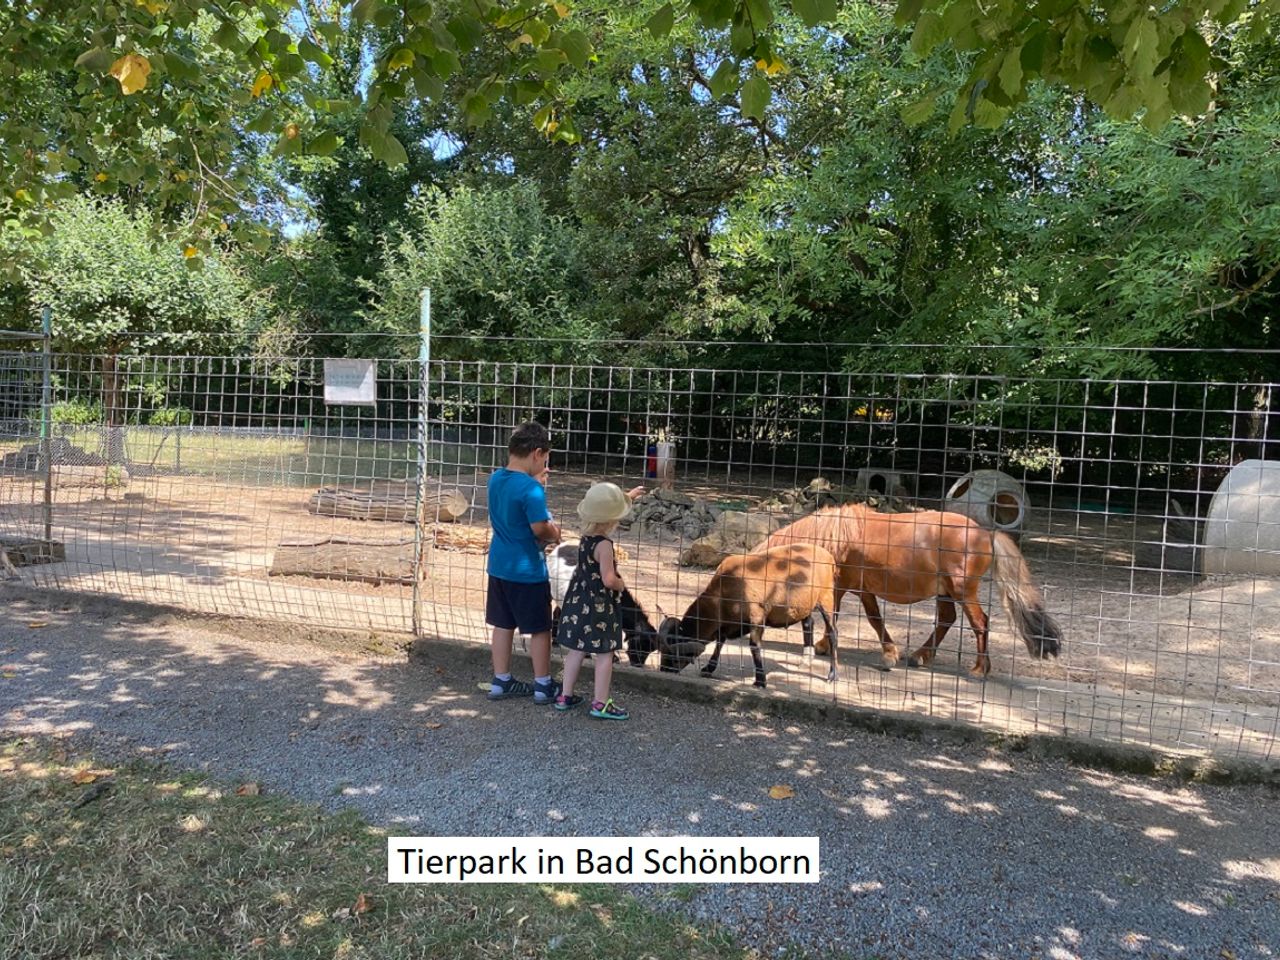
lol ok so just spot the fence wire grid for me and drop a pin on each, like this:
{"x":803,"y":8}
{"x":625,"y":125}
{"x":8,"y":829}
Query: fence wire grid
{"x":1147,"y":512}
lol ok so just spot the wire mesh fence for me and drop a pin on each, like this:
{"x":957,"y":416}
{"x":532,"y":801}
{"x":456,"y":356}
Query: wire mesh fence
{"x":1146,"y":512}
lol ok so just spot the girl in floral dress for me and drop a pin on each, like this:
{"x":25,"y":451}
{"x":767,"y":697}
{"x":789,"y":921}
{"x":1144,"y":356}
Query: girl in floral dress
{"x":590,"y":622}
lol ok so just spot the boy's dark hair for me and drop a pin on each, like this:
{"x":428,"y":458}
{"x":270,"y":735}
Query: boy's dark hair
{"x":527,"y":438}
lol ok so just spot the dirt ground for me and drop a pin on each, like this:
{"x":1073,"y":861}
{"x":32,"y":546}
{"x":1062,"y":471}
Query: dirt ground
{"x":1149,"y":640}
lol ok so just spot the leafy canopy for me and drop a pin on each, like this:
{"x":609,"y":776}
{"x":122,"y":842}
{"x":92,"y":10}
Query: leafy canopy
{"x":169,"y":99}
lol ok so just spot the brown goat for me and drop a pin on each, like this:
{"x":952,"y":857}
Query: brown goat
{"x":772,"y":587}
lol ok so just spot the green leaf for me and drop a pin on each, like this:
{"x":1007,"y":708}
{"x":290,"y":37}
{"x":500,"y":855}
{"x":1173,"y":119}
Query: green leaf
{"x":756,"y":94}
{"x":539,"y":31}
{"x":364,"y":10}
{"x":95,"y":60}
{"x":227,"y":36}
{"x":914,"y":114}
{"x":331,"y":31}
{"x":313,"y":53}
{"x":446,"y":63}
{"x":394,"y":153}
{"x":907,"y":11}
{"x":1141,"y":45}
{"x":814,"y":12}
{"x":989,"y":115}
{"x":524,"y":92}
{"x":760,"y":13}
{"x":181,"y":69}
{"x":475,"y":109}
{"x":325,"y":144}
{"x":1124,"y":103}
{"x":263,"y":122}
{"x":928,"y":34}
{"x":742,"y":39}
{"x":419,"y":11}
{"x":1011,"y":72}
{"x":1032,"y":52}
{"x":429,"y":86}
{"x":549,"y":59}
{"x":468,"y":31}
{"x":542,"y":118}
{"x":403,"y":57}
{"x":567,"y":132}
{"x":660,"y":24}
{"x":577,"y":47}
{"x":725,"y":80}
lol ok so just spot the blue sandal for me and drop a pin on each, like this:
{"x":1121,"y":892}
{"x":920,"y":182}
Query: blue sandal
{"x":511,"y":687}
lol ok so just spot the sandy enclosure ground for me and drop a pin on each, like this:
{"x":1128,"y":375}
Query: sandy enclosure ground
{"x":1149,"y":656}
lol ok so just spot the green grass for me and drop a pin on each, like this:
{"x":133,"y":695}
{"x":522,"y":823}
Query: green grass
{"x":166,"y":865}
{"x":269,"y":461}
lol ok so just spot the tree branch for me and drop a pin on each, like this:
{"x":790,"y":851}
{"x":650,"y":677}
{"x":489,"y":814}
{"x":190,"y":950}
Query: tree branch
{"x":1242,"y":295}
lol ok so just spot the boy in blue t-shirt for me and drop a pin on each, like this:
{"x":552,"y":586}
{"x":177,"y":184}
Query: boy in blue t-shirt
{"x":519,"y":588}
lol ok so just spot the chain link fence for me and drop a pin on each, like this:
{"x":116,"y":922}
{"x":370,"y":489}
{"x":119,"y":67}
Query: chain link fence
{"x":1146,"y":512}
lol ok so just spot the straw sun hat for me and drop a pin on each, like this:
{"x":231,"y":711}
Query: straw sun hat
{"x":604,"y":503}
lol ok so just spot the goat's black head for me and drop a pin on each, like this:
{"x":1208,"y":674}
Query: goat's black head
{"x":678,"y":651}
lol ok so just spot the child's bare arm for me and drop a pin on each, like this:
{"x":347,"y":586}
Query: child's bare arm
{"x":547,"y":531}
{"x":608,"y":567}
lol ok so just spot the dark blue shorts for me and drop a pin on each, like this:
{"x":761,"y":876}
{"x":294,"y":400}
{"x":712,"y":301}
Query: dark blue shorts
{"x":519,"y":606}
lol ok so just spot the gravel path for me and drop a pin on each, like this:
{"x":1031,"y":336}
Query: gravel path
{"x":929,"y":849}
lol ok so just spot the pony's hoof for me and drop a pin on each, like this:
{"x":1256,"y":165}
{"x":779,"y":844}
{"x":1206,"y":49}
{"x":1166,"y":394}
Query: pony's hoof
{"x":914,"y":661}
{"x":707,"y":671}
{"x":760,"y":684}
{"x":832,"y":676}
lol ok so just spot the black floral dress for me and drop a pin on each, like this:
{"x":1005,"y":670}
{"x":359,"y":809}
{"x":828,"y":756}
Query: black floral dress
{"x":589,"y":617}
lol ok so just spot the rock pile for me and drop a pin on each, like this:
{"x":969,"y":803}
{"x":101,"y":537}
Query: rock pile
{"x":673,"y":513}
{"x":799,"y":501}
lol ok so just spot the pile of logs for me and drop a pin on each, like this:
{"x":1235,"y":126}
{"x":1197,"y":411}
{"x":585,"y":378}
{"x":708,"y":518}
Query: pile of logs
{"x":394,"y":500}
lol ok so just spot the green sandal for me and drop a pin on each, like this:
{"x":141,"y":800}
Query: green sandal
{"x":608,"y":711}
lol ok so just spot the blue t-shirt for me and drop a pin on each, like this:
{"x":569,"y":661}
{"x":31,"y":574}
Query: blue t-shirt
{"x":516,"y":501}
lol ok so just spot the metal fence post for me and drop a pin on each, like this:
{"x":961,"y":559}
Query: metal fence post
{"x":46,"y":424}
{"x":420,"y":545}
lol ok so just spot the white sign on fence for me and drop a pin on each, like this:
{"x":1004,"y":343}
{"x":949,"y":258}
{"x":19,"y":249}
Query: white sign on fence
{"x":351,"y":382}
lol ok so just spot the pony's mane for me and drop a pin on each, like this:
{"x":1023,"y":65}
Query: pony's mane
{"x":833,"y":528}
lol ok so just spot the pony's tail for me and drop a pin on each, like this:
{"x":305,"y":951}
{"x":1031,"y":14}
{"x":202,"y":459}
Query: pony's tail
{"x":1039,"y":631}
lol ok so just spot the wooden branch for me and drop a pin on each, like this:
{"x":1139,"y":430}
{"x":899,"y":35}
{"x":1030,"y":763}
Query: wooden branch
{"x":1242,"y":295}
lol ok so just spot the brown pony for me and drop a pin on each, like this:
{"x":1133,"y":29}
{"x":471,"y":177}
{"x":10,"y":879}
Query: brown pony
{"x":909,"y":557}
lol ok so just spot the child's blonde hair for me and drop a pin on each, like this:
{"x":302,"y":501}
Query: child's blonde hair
{"x":600,"y":529}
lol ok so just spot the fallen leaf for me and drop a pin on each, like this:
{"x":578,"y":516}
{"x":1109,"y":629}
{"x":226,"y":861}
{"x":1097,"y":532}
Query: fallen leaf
{"x":439,"y":671}
{"x":248,"y":790}
{"x":364,"y":903}
{"x":257,"y":941}
{"x":341,"y":913}
{"x":37,"y":624}
{"x":780,"y":791}
{"x":8,"y":674}
{"x":434,"y":726}
{"x":84,"y":776}
{"x":132,"y":71}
